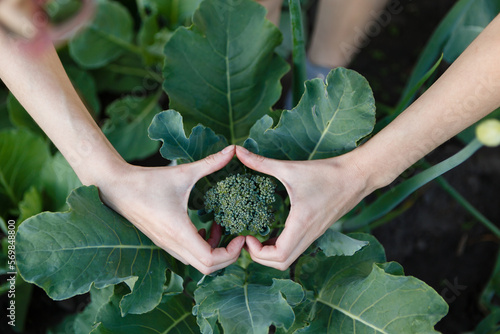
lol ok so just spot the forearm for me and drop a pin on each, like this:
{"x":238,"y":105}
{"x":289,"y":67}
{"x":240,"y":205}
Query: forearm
{"x":41,"y":85}
{"x":464,"y":94}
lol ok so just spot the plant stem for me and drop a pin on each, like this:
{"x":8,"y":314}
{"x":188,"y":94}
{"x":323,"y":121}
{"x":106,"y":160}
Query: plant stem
{"x":135,"y":71}
{"x":298,"y":51}
{"x":389,"y":200}
{"x":468,"y":206}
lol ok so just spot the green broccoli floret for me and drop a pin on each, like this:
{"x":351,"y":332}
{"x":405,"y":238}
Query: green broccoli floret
{"x":242,"y":202}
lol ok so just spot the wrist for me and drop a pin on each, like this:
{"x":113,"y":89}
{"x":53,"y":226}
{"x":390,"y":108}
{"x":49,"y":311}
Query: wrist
{"x":375,"y":173}
{"x":94,"y":160}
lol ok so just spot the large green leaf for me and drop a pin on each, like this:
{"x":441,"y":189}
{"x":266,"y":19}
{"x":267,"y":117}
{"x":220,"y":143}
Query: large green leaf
{"x":127,"y":126}
{"x":362,"y":294}
{"x":246,"y":304}
{"x":380,"y":303}
{"x":335,"y":243}
{"x":310,"y":269}
{"x":84,"y":322}
{"x":328,"y":121}
{"x":22,"y":157}
{"x":58,"y":179}
{"x":168,"y":127}
{"x":222,"y":72}
{"x":105,"y":38}
{"x":65,"y":253}
{"x":172,"y":315}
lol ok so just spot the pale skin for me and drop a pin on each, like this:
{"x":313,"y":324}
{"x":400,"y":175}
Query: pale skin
{"x":153,"y":199}
{"x":321,"y":191}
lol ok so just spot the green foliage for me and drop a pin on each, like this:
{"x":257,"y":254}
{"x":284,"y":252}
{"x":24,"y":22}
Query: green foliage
{"x":242,"y":202}
{"x":354,"y":294}
{"x":109,"y":38}
{"x":388,"y":201}
{"x":222,"y":71}
{"x":453,"y":35}
{"x":222,"y":77}
{"x":127,"y":125}
{"x":328,"y":121}
{"x":167,"y":127}
{"x":91,"y":244}
{"x":172,"y":315}
{"x":22,"y":157}
{"x":334,"y":243}
{"x":298,"y":50}
{"x":246,"y":304}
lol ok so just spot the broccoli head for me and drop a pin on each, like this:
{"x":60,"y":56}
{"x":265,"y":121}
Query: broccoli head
{"x":242,"y":202}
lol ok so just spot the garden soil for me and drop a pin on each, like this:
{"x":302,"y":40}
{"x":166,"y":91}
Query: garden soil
{"x":436,"y":240}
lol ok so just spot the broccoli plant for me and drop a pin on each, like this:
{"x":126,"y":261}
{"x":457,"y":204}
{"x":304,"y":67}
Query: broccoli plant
{"x":222,"y":78}
{"x":242,"y":202}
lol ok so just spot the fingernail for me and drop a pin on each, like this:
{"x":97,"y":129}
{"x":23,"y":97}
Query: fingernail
{"x":228,"y":149}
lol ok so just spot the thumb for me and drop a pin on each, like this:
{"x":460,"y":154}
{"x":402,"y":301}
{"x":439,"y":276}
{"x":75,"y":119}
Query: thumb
{"x":212,"y":163}
{"x":258,"y":162}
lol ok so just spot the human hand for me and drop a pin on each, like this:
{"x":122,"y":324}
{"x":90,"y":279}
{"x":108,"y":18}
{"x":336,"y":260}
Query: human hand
{"x":25,"y":20}
{"x":321,"y":192}
{"x":155,"y":200}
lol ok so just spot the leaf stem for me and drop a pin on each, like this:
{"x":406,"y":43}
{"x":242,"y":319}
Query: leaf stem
{"x":135,"y":71}
{"x":298,"y":51}
{"x":389,"y":200}
{"x":468,"y":206}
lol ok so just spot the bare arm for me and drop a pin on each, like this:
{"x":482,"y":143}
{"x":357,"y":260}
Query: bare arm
{"x":465,"y":93}
{"x":153,"y":199}
{"x":322,"y":191}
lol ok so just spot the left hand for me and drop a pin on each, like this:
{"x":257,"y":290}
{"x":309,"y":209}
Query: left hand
{"x":321,"y":192}
{"x":26,"y":21}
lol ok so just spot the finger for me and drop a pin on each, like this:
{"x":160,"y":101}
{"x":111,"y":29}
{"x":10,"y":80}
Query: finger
{"x":215,"y":235}
{"x":219,"y":257}
{"x":17,"y":17}
{"x":258,"y":162}
{"x":292,"y":242}
{"x":283,"y":262}
{"x":68,"y":29}
{"x":207,"y":260}
{"x":210,"y":164}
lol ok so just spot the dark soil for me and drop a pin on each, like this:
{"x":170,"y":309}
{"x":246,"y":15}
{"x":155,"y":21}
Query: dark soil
{"x":436,"y":240}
